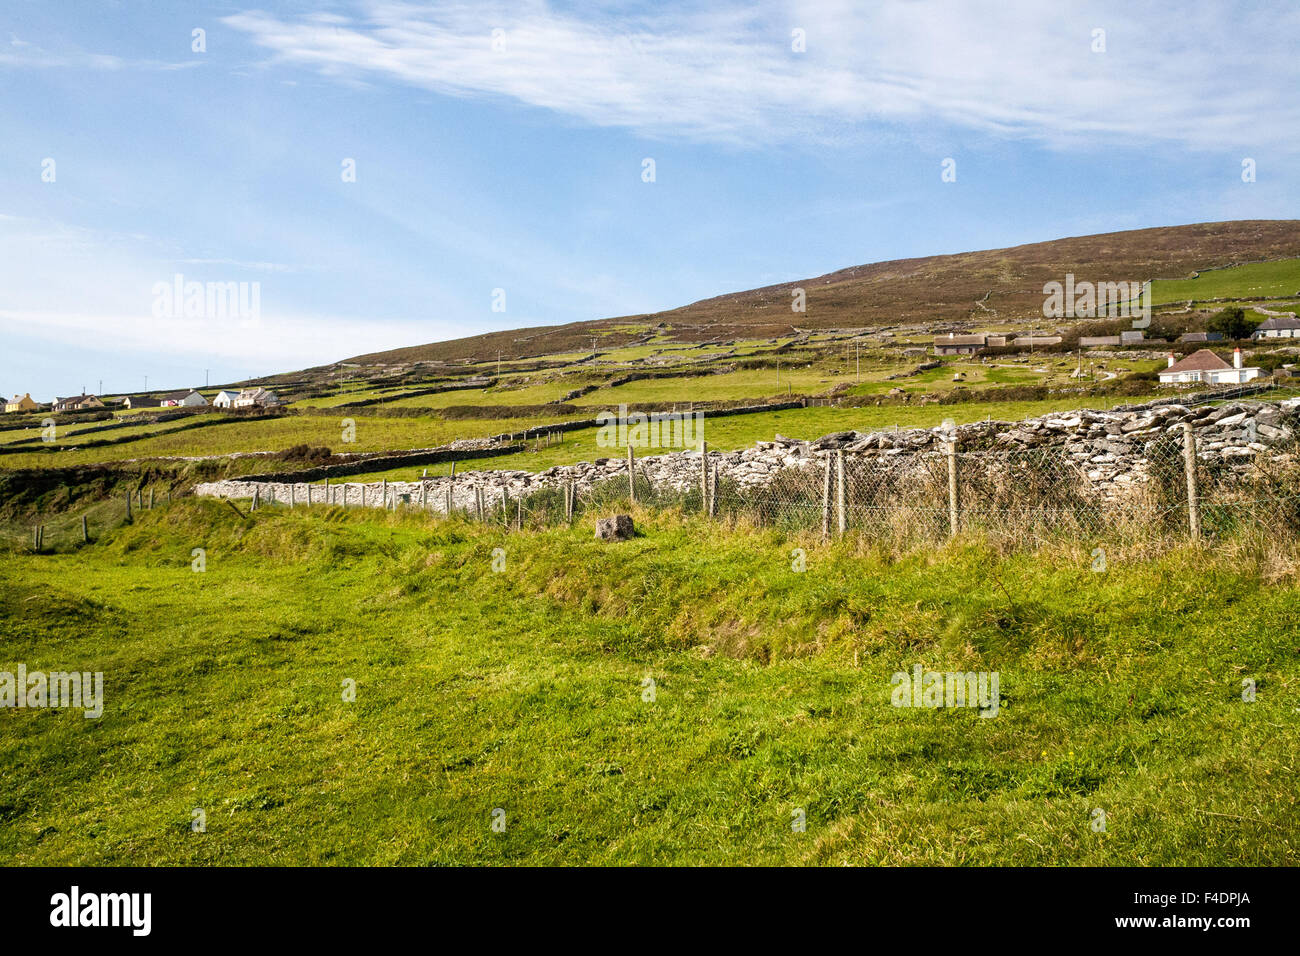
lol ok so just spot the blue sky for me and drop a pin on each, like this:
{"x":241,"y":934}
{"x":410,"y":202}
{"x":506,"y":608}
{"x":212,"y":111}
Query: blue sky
{"x":517,"y":164}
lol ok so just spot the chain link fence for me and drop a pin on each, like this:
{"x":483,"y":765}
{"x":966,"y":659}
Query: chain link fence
{"x":1173,"y":489}
{"x":1022,"y":494}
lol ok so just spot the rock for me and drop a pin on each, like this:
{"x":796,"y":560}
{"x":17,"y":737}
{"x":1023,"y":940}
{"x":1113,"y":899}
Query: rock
{"x":616,"y":528}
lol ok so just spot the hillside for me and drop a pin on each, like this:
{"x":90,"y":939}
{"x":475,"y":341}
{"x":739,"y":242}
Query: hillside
{"x":933,"y":290}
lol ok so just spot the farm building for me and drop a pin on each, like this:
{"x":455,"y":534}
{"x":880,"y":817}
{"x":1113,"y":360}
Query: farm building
{"x":1201,"y":337}
{"x":23,"y":404}
{"x":255,"y":397}
{"x":185,"y":398}
{"x":1281,"y":327}
{"x":1205,"y":367}
{"x":77,"y":403}
{"x":952,"y":344}
{"x":141,"y":401}
{"x":225,"y":398}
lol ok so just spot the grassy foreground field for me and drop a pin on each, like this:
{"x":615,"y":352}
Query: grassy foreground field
{"x":526,"y":690}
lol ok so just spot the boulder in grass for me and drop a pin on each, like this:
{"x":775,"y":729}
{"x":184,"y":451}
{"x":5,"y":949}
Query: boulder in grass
{"x":615,"y":528}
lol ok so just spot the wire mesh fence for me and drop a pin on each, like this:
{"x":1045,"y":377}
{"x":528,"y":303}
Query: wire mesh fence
{"x":1170,"y":488}
{"x":1024,"y":494}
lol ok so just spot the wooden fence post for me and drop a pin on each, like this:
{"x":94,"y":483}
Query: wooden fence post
{"x":448,"y":509}
{"x":151,"y":499}
{"x":841,"y":494}
{"x":85,"y":531}
{"x":953,"y":514}
{"x":826,"y":499}
{"x":631,"y":474}
{"x":1193,"y":493}
{"x":256,"y":495}
{"x":704,"y":477}
{"x":36,"y":538}
{"x":383,"y":491}
{"x":505,"y":515}
{"x":570,"y":493}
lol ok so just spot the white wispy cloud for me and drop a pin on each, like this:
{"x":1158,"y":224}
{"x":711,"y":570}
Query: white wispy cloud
{"x":1014,"y":67}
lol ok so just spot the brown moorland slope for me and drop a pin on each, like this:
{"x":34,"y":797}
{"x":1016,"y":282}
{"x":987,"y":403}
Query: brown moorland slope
{"x":933,"y":289}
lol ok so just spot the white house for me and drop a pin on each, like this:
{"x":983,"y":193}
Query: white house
{"x":185,"y":398}
{"x":1204,"y":367}
{"x":225,"y":398}
{"x":1282,"y":327}
{"x":255,"y":396}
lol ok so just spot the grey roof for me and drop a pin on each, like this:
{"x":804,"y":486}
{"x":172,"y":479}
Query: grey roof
{"x":1279,"y":323}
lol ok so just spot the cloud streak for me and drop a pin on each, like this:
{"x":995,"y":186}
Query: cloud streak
{"x":1014,"y":68}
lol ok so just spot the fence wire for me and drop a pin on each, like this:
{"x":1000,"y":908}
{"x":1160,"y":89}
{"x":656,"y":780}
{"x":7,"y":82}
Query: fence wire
{"x":1026,"y":494}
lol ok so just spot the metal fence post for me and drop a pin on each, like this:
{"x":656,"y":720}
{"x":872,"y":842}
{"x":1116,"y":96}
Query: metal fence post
{"x":953,"y":512}
{"x":1193,"y":495}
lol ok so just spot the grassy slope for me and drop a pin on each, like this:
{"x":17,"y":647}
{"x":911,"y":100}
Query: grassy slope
{"x":928,"y":289}
{"x":523,"y":690}
{"x":741,"y":431}
{"x":1254,"y":280}
{"x":372,"y":434}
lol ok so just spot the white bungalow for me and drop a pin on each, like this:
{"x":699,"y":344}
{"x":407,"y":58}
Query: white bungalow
{"x":1204,"y":367}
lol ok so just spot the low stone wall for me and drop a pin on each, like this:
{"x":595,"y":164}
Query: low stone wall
{"x":1109,"y":448}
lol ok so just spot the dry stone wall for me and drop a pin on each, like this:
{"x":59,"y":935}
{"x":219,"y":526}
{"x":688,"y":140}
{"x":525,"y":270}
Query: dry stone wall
{"x":1111,"y":448}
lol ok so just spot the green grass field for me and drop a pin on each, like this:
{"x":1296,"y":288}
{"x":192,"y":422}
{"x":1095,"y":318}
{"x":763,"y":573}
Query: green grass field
{"x":741,"y":431}
{"x":528,"y":690}
{"x":276,"y":434}
{"x":1254,"y":280}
